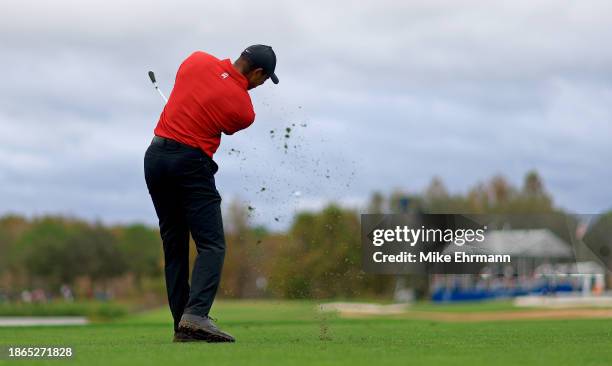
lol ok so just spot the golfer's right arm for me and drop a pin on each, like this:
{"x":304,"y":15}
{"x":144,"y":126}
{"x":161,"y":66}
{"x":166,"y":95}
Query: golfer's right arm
{"x":240,"y":121}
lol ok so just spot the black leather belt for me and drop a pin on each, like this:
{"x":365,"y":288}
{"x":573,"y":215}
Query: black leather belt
{"x":173,"y":143}
{"x":164,"y":141}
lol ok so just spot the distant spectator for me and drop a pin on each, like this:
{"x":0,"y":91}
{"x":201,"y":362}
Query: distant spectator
{"x":26,"y":296}
{"x":39,"y":296}
{"x":66,"y":293}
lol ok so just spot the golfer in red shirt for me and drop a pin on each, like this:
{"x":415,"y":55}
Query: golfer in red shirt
{"x":210,"y":97}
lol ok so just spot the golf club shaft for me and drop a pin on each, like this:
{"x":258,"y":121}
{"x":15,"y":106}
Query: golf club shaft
{"x":154,"y":81}
{"x":160,"y":93}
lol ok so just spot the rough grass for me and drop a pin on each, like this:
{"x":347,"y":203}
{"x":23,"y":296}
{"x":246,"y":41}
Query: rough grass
{"x":292,"y":333}
{"x":94,"y":310}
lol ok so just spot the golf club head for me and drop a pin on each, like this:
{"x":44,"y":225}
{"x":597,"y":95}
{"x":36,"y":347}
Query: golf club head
{"x":152,"y":76}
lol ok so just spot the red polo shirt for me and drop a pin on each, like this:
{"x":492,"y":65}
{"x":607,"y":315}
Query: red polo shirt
{"x":209,"y":97}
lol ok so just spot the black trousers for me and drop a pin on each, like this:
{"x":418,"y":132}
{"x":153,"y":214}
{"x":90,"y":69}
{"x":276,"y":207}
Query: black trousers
{"x":181,"y":183}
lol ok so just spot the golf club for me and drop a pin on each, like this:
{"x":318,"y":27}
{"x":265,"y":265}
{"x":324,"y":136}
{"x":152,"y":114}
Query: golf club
{"x":152,"y":77}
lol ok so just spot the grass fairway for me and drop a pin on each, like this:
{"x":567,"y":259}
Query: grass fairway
{"x":292,"y":333}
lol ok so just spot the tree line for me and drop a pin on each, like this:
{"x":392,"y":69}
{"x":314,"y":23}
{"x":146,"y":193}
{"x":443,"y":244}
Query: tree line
{"x":317,"y":257}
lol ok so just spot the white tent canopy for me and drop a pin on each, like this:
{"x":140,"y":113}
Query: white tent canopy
{"x":532,"y":243}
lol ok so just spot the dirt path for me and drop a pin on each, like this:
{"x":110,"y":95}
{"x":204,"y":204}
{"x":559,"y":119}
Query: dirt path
{"x":501,"y":315}
{"x":25,"y":321}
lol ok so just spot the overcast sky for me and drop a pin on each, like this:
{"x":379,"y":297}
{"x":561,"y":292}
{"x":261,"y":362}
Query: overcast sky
{"x":383,"y":95}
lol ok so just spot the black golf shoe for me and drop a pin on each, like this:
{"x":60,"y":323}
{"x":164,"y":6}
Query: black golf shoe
{"x":184,"y":337}
{"x":202,"y":328}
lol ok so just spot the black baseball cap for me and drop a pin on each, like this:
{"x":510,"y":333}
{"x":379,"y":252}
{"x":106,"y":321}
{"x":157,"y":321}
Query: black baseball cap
{"x":264,"y":57}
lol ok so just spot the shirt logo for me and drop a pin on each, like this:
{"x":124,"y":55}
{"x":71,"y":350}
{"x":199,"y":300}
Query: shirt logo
{"x":224,"y":75}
